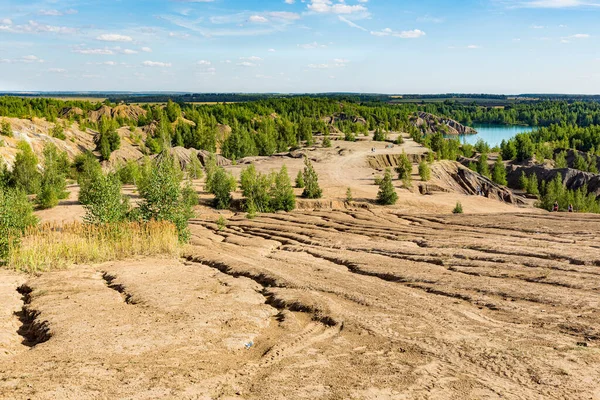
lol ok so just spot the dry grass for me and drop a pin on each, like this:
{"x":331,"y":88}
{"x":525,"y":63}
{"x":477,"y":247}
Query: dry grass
{"x":50,"y":246}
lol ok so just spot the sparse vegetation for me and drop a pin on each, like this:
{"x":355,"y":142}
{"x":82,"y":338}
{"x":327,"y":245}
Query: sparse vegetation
{"x":424,"y":171}
{"x":458,"y":209}
{"x":6,"y":129}
{"x":311,"y":182}
{"x":349,"y":198}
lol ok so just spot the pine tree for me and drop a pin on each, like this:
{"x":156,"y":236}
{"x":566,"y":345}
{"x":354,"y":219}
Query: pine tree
{"x":424,"y":171}
{"x":53,"y":183}
{"x":387,"y":193}
{"x":300,"y":180}
{"x":326,"y":141}
{"x":25,"y":174}
{"x":482,"y":166}
{"x":282,"y":193}
{"x":311,"y":182}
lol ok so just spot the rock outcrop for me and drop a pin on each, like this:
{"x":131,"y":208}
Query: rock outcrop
{"x":430,"y":123}
{"x":459,"y":179}
{"x":572,"y":178}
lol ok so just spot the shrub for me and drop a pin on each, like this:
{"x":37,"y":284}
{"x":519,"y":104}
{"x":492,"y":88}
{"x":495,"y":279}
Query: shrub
{"x":210,"y":167}
{"x":579,"y":162}
{"x":399,"y":139}
{"x":160,"y":187}
{"x":25,"y":174}
{"x":105,"y":203}
{"x":129,"y":173}
{"x":424,"y":171}
{"x":349,"y":198}
{"x":482,"y":166}
{"x":458,"y":208}
{"x":467,"y":150}
{"x":88,"y":170}
{"x":16,"y":214}
{"x":379,"y":135}
{"x":53,"y":183}
{"x":255,"y":188}
{"x":222,"y":184}
{"x":300,"y":180}
{"x":311,"y":182}
{"x":404,"y":168}
{"x":326,"y":141}
{"x":387,"y":194}
{"x":58,"y":132}
{"x":194,"y":168}
{"x":560,"y":160}
{"x":282,"y":193}
{"x":350,"y":137}
{"x":6,"y":129}
{"x":107,"y":140}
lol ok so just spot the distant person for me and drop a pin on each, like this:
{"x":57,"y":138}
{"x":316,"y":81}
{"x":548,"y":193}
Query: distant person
{"x":555,"y":209}
{"x":478,"y":190}
{"x":570,"y":207}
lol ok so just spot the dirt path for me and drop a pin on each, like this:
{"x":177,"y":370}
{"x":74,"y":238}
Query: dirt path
{"x":322,"y":305}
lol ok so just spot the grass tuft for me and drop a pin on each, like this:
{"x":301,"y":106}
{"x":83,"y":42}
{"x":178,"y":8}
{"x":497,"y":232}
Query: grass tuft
{"x":50,"y":246}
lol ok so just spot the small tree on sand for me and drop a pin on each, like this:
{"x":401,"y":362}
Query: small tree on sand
{"x":387,"y":193}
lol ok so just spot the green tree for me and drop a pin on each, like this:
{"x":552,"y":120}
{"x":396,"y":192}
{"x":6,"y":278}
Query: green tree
{"x":499,"y":172}
{"x":404,"y":168}
{"x":107,"y":140}
{"x":349,"y":198}
{"x":160,"y":187}
{"x":6,"y":129}
{"x":25,"y":174}
{"x":458,"y":209}
{"x":300,"y":180}
{"x":560,"y":160}
{"x":424,"y":171}
{"x":53,"y":183}
{"x":16,"y":214}
{"x":379,"y":135}
{"x":105,"y":203}
{"x":579,"y":162}
{"x":311,"y":182}
{"x":222,"y":184}
{"x":326,"y":141}
{"x":58,"y":132}
{"x":387,"y":193}
{"x":509,"y":150}
{"x":482,"y":166}
{"x":524,"y":146}
{"x":282,"y":192}
{"x":255,"y":188}
{"x":194,"y":168}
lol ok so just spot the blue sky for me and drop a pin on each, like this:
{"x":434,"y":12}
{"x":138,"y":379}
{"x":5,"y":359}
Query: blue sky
{"x":384,"y":46}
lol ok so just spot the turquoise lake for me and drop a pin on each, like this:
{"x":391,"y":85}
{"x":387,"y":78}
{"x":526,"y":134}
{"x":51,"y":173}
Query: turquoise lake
{"x":494,"y":134}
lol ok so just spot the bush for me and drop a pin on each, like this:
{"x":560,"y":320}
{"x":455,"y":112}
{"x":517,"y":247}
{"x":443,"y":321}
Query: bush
{"x":129,"y":173}
{"x":194,"y":168}
{"x":25,"y":174}
{"x":349,"y":198}
{"x":300,"y":180}
{"x":160,"y":187}
{"x":404,"y":168}
{"x":6,"y":129}
{"x":105,"y":203}
{"x":58,"y":132}
{"x":560,"y":160}
{"x":222,"y":184}
{"x":16,"y":214}
{"x":255,"y":188}
{"x":53,"y":183}
{"x":326,"y":141}
{"x":424,"y":171}
{"x":387,"y":194}
{"x":458,"y":208}
{"x":107,"y":140}
{"x":311,"y":182}
{"x":482,"y":166}
{"x":379,"y":135}
{"x":88,"y":170}
{"x":282,"y":193}
{"x":350,"y":137}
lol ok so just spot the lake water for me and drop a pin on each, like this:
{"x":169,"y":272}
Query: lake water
{"x":494,"y":134}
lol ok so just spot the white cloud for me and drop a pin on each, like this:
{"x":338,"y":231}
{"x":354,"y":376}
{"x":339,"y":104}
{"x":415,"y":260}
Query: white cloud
{"x":258,"y":19}
{"x":103,"y":52}
{"x":412,"y":34}
{"x":113,"y":37}
{"x":313,"y":45}
{"x":290,"y":1}
{"x":57,"y":70}
{"x":25,"y":59}
{"x":271,"y":50}
{"x":328,"y":7}
{"x":251,"y":58}
{"x":204,"y":62}
{"x":336,"y":63}
{"x":36,"y":27}
{"x":247,"y":64}
{"x":156,"y":64}
{"x":57,"y":13}
{"x":473,"y":46}
{"x":126,"y":51}
{"x":146,"y":49}
{"x":6,"y":21}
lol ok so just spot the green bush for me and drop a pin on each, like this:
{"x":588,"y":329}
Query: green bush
{"x":560,"y":160}
{"x":160,"y":187}
{"x":88,"y":170}
{"x":53,"y":185}
{"x":194,"y":168}
{"x":255,"y":188}
{"x":349,"y":198}
{"x":282,"y":192}
{"x":379,"y":135}
{"x":129,"y":173}
{"x":6,"y":129}
{"x":58,"y":132}
{"x":107,"y":140}
{"x":311,"y":182}
{"x":221,"y":185}
{"x":104,"y":201}
{"x":482,"y":166}
{"x":424,"y":171}
{"x":458,"y":209}
{"x":404,"y":168}
{"x":326,"y":141}
{"x":387,"y":193}
{"x":300,"y":180}
{"x":25,"y":174}
{"x":16,"y":214}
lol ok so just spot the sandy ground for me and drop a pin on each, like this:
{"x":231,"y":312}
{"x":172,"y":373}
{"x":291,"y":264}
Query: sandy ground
{"x":402,"y":302}
{"x":350,"y":304}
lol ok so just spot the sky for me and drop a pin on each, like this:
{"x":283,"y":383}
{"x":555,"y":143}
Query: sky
{"x":301,"y":46}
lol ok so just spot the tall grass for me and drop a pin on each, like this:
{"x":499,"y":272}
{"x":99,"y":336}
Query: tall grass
{"x":48,"y":246}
